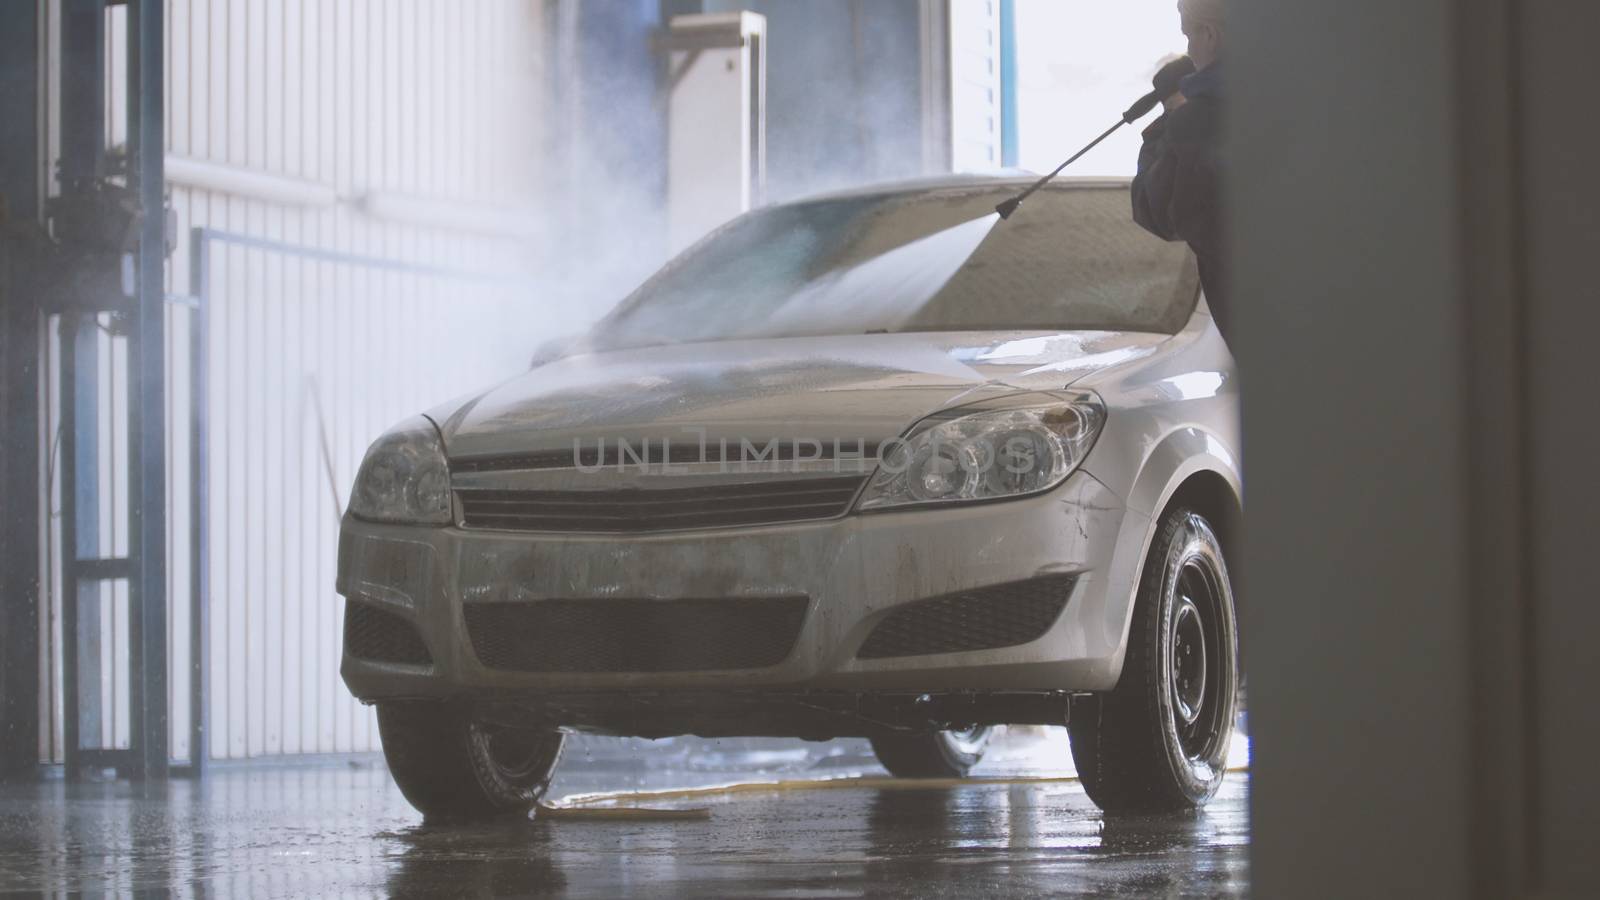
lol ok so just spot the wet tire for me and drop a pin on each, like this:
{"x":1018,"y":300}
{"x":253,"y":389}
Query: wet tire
{"x":937,"y":754}
{"x":1159,"y":741}
{"x":454,"y":768}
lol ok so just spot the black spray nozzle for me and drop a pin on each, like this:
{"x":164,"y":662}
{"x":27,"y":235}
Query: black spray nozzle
{"x":1141,"y":107}
{"x":1007,"y":207}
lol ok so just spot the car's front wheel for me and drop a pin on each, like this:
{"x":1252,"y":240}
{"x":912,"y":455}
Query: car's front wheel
{"x":1159,"y":741}
{"x":451,"y":766}
{"x":933,"y":754}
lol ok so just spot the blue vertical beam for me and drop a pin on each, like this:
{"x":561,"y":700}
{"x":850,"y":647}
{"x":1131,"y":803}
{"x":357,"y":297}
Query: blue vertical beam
{"x":1010,"y":143}
{"x":80,"y":527}
{"x":148,"y":484}
{"x":20,"y":188}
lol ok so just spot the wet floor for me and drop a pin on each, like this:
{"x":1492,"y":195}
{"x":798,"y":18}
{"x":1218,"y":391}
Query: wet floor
{"x":344,"y":828}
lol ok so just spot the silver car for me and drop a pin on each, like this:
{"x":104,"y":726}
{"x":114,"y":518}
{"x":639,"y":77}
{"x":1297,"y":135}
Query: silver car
{"x":876,"y":464}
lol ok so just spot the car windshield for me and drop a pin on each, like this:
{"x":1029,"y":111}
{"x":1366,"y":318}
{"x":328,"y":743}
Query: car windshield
{"x":939,"y":260}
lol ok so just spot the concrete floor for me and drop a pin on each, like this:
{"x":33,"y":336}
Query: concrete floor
{"x":344,"y":828}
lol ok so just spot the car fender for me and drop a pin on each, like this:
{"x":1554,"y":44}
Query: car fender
{"x":1178,"y":456}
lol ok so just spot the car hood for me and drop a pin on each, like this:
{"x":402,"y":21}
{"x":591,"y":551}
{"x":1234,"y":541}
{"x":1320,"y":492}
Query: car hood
{"x":847,"y":388}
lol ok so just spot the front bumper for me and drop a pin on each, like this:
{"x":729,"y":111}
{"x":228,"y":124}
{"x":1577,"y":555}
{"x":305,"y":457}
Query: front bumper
{"x":855,"y":571}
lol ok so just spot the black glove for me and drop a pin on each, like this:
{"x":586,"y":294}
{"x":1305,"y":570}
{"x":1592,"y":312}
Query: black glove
{"x":1166,"y":80}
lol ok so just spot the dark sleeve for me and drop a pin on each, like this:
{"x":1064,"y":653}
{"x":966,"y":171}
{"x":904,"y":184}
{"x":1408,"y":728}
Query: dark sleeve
{"x":1174,"y":194}
{"x":1153,"y":185}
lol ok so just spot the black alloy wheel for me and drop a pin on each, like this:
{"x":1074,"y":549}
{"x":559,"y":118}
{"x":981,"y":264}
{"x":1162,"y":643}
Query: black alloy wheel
{"x":1159,"y":741}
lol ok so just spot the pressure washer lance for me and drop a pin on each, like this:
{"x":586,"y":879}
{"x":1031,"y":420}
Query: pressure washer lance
{"x":1166,"y":84}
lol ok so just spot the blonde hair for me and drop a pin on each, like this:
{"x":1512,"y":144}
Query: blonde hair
{"x":1209,"y":11}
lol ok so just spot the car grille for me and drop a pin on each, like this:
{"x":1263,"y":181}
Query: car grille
{"x":635,"y":635}
{"x":611,"y":455}
{"x":380,"y":636}
{"x":982,"y":619}
{"x":659,"y":509}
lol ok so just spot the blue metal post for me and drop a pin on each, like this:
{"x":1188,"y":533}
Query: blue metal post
{"x":79,"y":462}
{"x":1010,"y":143}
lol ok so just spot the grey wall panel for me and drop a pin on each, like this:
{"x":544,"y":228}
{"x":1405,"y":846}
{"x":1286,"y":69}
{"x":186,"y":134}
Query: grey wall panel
{"x":1561,"y":240}
{"x":1348,"y":299}
{"x":1415,"y":236}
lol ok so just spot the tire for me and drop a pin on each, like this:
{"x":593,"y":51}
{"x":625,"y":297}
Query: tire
{"x":933,"y":754}
{"x":454,"y":768}
{"x":1159,"y":741}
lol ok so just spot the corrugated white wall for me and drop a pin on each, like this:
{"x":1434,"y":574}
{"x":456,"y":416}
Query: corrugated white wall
{"x":424,"y":111}
{"x":975,"y":109}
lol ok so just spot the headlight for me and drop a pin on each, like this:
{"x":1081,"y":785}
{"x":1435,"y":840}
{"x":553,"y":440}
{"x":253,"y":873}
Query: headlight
{"x":988,"y":453}
{"x":405,"y":477}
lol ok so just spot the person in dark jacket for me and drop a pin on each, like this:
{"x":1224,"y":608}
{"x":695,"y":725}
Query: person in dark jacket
{"x":1177,"y":193}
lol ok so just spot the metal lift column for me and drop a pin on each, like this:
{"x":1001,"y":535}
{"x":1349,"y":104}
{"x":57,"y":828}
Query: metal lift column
{"x":103,"y":273}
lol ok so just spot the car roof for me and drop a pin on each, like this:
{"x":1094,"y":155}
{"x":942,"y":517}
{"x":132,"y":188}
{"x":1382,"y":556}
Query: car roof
{"x":1018,"y":182}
